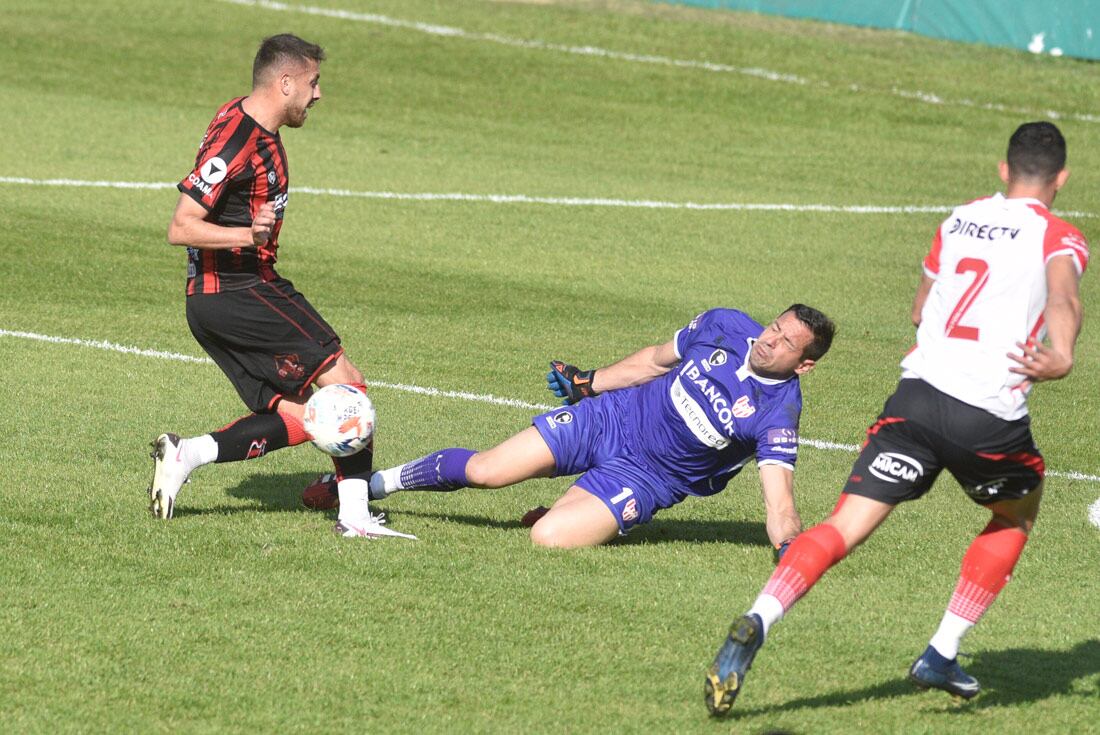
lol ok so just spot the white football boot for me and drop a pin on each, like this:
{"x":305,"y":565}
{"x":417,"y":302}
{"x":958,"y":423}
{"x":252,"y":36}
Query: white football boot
{"x":372,"y":527}
{"x":170,"y":471}
{"x":355,"y":518}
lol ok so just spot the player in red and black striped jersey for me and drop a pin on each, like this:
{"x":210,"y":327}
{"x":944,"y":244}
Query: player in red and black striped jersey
{"x":265,"y":336}
{"x":240,"y":171}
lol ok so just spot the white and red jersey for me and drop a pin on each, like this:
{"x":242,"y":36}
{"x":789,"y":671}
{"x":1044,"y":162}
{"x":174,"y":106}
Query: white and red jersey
{"x":988,"y":260}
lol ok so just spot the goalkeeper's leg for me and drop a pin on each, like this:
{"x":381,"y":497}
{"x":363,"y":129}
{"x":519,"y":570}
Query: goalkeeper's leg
{"x":518,"y":458}
{"x":577,"y":519}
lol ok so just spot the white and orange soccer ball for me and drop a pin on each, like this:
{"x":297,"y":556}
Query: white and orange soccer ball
{"x":339,"y":419}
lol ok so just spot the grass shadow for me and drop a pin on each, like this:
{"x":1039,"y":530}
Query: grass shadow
{"x":743,"y":533}
{"x":280,"y":493}
{"x":884,"y":690}
{"x":467,"y":520}
{"x":1010,"y":677}
{"x":739,"y":532}
{"x":1020,"y":675}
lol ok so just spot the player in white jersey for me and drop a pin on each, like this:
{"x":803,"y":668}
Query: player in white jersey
{"x":1002,"y":275}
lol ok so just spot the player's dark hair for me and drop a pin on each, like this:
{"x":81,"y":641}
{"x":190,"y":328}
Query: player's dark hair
{"x":280,"y":49}
{"x":822,"y":327}
{"x":1036,"y":150}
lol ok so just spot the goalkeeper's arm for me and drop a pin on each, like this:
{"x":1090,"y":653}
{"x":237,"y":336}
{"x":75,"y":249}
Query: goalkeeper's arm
{"x":571,"y":384}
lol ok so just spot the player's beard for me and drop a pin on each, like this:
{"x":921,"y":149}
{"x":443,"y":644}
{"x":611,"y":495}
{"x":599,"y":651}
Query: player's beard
{"x":297,"y":117}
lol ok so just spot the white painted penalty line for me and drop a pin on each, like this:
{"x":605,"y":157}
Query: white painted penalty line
{"x":419,"y":390}
{"x":525,"y":199}
{"x":767,"y":74}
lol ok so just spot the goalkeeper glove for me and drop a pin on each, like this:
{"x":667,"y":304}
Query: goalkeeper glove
{"x":569,"y":383}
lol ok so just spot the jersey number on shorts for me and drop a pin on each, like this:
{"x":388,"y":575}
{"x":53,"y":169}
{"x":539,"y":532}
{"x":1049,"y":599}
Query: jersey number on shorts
{"x":980,"y":269}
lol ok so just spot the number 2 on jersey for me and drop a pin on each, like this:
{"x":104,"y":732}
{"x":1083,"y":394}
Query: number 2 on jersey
{"x":980,"y":269}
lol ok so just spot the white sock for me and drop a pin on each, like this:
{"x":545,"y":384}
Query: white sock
{"x":770,"y":610}
{"x":197,"y":451}
{"x":947,"y":638}
{"x":386,"y":482}
{"x":354,"y":494}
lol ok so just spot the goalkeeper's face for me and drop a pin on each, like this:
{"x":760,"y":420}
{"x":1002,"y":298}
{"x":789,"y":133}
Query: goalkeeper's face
{"x":777,"y":352}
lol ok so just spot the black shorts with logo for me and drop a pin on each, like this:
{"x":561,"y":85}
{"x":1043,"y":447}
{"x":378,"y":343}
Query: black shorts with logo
{"x":922,"y":431}
{"x":267,"y":339}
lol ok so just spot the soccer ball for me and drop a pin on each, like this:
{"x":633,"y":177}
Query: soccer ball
{"x":339,"y":420}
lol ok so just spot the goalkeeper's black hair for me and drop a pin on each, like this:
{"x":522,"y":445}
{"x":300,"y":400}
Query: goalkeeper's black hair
{"x":822,"y":327}
{"x":1037,"y":151}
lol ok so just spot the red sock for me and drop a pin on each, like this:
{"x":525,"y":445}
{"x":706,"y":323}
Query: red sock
{"x":986,"y":569}
{"x":295,"y":432}
{"x":809,"y":556}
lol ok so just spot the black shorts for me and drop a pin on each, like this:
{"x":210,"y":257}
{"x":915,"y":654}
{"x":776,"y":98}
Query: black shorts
{"x":922,"y":431}
{"x":267,"y":339}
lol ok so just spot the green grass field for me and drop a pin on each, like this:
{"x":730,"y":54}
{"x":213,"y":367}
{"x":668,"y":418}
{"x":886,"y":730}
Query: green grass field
{"x":245,"y":614}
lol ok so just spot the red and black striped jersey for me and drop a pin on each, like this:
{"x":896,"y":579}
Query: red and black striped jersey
{"x":240,"y":165}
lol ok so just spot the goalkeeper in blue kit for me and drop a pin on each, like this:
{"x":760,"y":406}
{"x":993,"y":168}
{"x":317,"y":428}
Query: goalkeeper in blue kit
{"x":670,"y":421}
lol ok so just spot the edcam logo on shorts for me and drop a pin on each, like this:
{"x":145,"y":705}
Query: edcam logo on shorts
{"x":894,"y":467}
{"x":630,"y":510}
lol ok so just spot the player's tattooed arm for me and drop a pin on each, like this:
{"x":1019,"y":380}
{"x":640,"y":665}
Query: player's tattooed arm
{"x":1063,"y":316}
{"x":190,"y":229}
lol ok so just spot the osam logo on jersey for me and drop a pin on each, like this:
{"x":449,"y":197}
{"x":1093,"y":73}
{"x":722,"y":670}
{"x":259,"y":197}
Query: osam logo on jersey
{"x":894,"y":467}
{"x":783,"y":440}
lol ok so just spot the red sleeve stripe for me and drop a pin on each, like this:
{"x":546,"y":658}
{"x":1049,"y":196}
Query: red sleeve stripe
{"x":1062,"y":238}
{"x":932,"y":260}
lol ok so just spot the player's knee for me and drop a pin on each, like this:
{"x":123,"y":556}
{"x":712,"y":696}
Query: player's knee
{"x":354,"y":377}
{"x":548,"y":535}
{"x":293,"y":409}
{"x":480,"y":472}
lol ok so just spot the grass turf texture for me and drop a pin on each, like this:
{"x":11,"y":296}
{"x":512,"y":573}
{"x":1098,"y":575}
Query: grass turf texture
{"x":245,"y":614}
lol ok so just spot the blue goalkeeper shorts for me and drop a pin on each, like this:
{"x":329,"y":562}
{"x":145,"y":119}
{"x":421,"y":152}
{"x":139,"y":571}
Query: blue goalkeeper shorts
{"x":589,"y":438}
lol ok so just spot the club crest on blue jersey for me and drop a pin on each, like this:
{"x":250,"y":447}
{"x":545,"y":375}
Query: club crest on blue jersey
{"x":742,"y":409}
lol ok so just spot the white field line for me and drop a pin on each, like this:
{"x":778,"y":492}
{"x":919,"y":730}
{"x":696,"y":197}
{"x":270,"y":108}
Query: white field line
{"x":419,"y":390}
{"x":767,"y":74}
{"x":552,"y":201}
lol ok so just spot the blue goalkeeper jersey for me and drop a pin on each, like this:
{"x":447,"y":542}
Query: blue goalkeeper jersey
{"x":703,"y":421}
